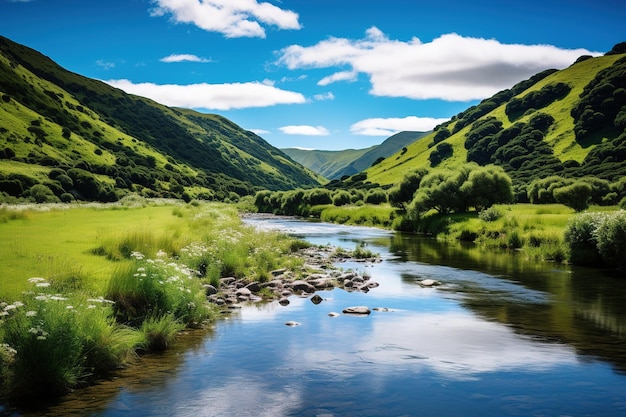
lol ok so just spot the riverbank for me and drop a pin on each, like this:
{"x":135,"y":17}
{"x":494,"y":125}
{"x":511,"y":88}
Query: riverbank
{"x":86,"y":287}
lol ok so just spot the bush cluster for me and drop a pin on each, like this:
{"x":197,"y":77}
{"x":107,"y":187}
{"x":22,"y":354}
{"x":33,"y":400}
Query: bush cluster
{"x":597,"y":239}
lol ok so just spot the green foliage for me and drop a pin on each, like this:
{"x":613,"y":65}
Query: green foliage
{"x":376,"y":196}
{"x":580,"y":236}
{"x":160,"y":331}
{"x":154,"y":288}
{"x":443,"y":151}
{"x":60,"y":341}
{"x":611,"y":236}
{"x":403,"y":193}
{"x":490,"y":215}
{"x":602,"y":102}
{"x":537,"y":99}
{"x":456,"y":191}
{"x":575,"y":195}
{"x":42,"y":194}
{"x":341,"y":198}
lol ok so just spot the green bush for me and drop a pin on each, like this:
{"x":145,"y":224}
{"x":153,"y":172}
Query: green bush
{"x":42,"y":194}
{"x":575,"y":195}
{"x":581,"y":240}
{"x":611,"y":236}
{"x":376,"y":196}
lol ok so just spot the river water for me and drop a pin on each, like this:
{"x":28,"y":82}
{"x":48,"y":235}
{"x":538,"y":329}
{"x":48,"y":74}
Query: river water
{"x":502,"y":336}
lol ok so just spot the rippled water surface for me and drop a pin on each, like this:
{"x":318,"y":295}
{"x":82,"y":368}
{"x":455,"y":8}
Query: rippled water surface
{"x":500,"y":336}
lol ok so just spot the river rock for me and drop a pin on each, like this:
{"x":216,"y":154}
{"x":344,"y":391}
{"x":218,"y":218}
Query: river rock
{"x":283,"y":301}
{"x":316,"y":299}
{"x":253,"y":286}
{"x":243,"y":291}
{"x":428,"y":283}
{"x":333,"y":314}
{"x":360,"y":310}
{"x":210,"y":289}
{"x":304,"y":286}
{"x":278,"y":272}
{"x":292,"y":323}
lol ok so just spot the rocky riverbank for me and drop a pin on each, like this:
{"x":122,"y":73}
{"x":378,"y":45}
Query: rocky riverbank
{"x":319,"y":272}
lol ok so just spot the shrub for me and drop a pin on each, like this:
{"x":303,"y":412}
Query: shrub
{"x":611,"y":236}
{"x":376,"y":196}
{"x":581,"y":240}
{"x":42,"y":194}
{"x":341,"y":198}
{"x":490,"y":215}
{"x":575,"y":195}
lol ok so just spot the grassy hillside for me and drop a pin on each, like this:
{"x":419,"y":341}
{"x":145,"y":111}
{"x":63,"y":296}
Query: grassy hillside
{"x":569,"y":123}
{"x":337,"y":164}
{"x":81,"y":138}
{"x":328,"y":164}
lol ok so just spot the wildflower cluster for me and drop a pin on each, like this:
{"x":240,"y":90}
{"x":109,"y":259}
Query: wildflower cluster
{"x":51,"y":342}
{"x":155,"y":288}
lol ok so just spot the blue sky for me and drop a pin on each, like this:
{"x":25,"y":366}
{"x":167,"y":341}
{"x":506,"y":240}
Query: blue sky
{"x":322,"y":74}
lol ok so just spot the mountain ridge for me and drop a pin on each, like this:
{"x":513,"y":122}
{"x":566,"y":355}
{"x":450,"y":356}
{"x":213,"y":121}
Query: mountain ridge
{"x":52,"y":118}
{"x":334,"y":165}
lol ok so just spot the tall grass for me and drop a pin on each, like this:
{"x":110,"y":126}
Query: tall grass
{"x":60,"y":342}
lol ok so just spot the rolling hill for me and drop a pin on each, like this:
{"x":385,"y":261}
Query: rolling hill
{"x":72,"y":137}
{"x":569,"y":123}
{"x":337,"y":164}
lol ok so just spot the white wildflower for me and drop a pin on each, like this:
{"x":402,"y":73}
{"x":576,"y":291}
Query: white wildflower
{"x":161,"y":254}
{"x":31,"y":313}
{"x":43,"y":284}
{"x":36,"y":279}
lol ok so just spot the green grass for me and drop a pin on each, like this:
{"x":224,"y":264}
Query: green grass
{"x":365,"y":215}
{"x":86,"y":287}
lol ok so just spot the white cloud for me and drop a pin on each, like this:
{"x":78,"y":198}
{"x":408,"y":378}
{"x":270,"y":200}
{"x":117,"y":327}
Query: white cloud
{"x":184,"y":58}
{"x":105,"y":65}
{"x":211,"y":96}
{"x":339,"y":76}
{"x":324,"y":96}
{"x":305,"y":130}
{"x":232,"y":18}
{"x":259,"y":132}
{"x":450,"y":67}
{"x":391,"y":126}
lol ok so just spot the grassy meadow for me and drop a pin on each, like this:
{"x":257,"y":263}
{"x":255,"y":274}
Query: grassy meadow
{"x":83,"y":288}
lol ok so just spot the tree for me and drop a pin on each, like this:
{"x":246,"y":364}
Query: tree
{"x":402,"y":194}
{"x":576,"y":195}
{"x":487,"y":186}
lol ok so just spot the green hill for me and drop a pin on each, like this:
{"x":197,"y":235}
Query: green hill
{"x":336,"y":164}
{"x":569,"y":123}
{"x":75,"y":137}
{"x":329,"y":164}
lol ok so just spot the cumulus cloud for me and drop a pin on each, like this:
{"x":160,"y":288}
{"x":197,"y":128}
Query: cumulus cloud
{"x":184,"y":58}
{"x":305,"y":130}
{"x":232,"y":18}
{"x":450,"y":67}
{"x":324,"y":96}
{"x":338,"y":76}
{"x":211,"y":96}
{"x":391,"y":126}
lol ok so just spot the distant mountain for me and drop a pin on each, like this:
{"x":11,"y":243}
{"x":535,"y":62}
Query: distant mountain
{"x":568,"y":123}
{"x":81,"y":138}
{"x":337,"y":164}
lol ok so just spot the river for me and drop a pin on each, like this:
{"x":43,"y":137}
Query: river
{"x":501,"y":336}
